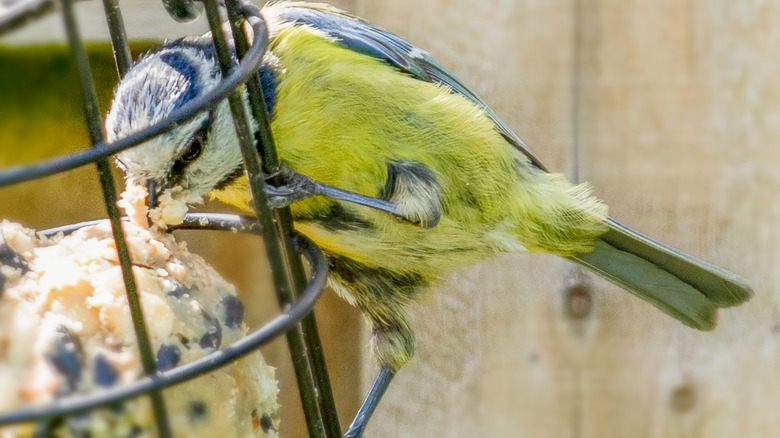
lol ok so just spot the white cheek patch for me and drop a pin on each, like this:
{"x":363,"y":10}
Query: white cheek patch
{"x":221,"y":155}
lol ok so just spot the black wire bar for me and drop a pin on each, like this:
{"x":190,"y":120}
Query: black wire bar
{"x":275,"y":237}
{"x":95,"y":128}
{"x":282,"y":218}
{"x":246,"y":345}
{"x":119,"y":43}
{"x":19,"y":12}
{"x":101,"y":149}
{"x":276,"y":227}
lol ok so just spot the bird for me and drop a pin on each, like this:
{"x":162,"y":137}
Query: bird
{"x":360,"y":110}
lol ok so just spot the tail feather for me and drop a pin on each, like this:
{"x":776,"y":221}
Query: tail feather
{"x":681,"y":285}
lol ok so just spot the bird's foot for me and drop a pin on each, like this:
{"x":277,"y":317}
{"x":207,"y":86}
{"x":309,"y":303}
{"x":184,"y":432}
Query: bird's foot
{"x":295,"y":187}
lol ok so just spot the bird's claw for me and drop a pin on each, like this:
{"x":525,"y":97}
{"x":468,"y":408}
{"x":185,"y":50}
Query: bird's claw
{"x":353,"y":433}
{"x":295,"y":187}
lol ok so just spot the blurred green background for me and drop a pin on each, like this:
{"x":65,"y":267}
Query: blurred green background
{"x":41,"y":116}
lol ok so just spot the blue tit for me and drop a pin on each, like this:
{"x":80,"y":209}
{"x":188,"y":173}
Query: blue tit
{"x":364,"y":111}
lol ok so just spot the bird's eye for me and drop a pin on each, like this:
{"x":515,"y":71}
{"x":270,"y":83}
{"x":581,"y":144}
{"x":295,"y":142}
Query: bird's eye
{"x":193,"y":151}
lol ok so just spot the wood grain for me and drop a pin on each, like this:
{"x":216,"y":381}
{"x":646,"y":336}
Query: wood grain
{"x":494,"y":353}
{"x":670,"y":109}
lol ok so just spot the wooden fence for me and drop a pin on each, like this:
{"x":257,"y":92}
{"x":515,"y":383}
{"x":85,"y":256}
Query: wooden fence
{"x":672,"y":110}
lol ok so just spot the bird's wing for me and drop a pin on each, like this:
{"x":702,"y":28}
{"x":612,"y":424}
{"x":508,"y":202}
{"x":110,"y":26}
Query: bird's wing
{"x":362,"y":37}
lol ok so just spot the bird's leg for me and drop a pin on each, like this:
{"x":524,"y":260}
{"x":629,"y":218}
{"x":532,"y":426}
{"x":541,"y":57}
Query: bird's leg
{"x":381,"y":296}
{"x":299,"y":187}
{"x":296,"y":188}
{"x":393,"y":347}
{"x":370,"y":403}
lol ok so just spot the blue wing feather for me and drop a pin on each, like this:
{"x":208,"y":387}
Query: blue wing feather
{"x":359,"y":36}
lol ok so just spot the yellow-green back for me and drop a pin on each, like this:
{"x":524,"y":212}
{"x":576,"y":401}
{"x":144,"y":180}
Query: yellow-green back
{"x":342,"y":116}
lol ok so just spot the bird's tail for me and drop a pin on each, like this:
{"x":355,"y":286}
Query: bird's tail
{"x":681,"y":285}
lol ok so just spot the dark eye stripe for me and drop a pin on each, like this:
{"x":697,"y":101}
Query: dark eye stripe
{"x":230,"y":178}
{"x":192,"y":152}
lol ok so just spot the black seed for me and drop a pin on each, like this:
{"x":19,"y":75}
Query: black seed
{"x":9,"y":257}
{"x":168,"y":356}
{"x":232,"y":310}
{"x":266,"y":423}
{"x":213,"y":336}
{"x":179,"y":290}
{"x":105,"y":373}
{"x":185,"y":341}
{"x":67,"y":355}
{"x":198,"y":410}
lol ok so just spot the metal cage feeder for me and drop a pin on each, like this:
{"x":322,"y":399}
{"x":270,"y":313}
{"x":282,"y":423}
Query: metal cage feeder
{"x":297,"y":293}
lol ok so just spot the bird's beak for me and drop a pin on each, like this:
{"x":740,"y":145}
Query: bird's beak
{"x":153,"y":199}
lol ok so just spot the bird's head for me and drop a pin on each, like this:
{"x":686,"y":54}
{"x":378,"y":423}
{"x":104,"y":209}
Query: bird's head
{"x":193,"y":159}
